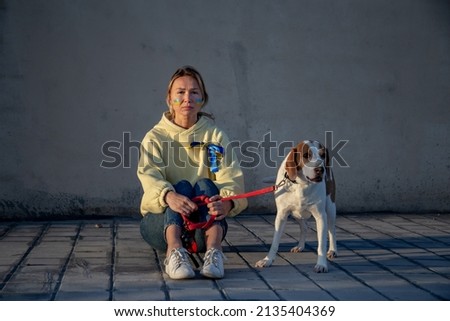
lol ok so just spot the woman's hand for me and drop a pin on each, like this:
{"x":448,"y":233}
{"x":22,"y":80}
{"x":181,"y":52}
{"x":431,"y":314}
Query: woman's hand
{"x":218,"y":208}
{"x":180,"y":203}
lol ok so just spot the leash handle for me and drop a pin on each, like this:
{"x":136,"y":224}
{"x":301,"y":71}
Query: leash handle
{"x":204,"y":200}
{"x":191,"y":226}
{"x":201,"y":200}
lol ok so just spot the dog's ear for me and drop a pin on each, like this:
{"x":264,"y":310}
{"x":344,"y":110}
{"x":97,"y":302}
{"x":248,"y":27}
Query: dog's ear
{"x":327,"y":162}
{"x":327,"y":158}
{"x":292,"y":164}
{"x":329,"y":180}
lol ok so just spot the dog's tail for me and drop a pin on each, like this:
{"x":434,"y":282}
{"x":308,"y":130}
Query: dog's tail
{"x":269,"y":179}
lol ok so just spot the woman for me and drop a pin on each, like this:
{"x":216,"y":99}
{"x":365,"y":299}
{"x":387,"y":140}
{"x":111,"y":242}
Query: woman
{"x":185,"y":156}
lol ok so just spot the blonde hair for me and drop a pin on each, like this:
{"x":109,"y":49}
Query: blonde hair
{"x":191,"y":72}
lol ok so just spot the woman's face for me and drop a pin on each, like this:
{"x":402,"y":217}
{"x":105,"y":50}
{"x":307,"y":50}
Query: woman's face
{"x":186,"y":97}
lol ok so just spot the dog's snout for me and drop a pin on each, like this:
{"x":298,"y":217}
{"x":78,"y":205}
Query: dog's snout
{"x":319,"y":170}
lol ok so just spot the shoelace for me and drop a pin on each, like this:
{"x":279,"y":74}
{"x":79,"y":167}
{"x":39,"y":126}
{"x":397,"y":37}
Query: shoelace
{"x":179,"y":257}
{"x":212,"y":257}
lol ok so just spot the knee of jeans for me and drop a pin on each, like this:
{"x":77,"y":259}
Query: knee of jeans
{"x":206,"y":186}
{"x":204,"y":182}
{"x":184,"y":187}
{"x":183,"y":184}
{"x":151,"y":232}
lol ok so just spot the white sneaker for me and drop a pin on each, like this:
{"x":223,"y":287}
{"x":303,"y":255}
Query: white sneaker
{"x":213,"y":264}
{"x":178,"y":266}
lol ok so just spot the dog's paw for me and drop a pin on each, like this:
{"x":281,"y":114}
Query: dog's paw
{"x":320,"y":268}
{"x":331,"y":255}
{"x":265,"y":262}
{"x":297,"y":249}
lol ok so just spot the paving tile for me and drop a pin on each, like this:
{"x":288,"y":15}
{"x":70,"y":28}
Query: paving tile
{"x":97,"y":295}
{"x":139,"y":295}
{"x":200,"y":294}
{"x":26,"y":296}
{"x":435,"y":284}
{"x":381,"y":257}
{"x":199,"y":282}
{"x":144,"y":283}
{"x":245,"y":293}
{"x":255,"y":283}
{"x":396,"y":288}
{"x":304,"y":295}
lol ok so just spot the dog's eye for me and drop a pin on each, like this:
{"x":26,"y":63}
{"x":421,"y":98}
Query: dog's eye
{"x":305,"y":155}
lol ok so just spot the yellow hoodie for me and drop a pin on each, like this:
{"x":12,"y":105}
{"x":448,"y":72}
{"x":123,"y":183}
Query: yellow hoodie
{"x":167,"y":158}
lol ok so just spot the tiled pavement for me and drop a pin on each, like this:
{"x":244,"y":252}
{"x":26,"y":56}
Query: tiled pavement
{"x":381,"y":257}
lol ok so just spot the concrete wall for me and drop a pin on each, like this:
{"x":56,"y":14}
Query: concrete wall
{"x":77,"y":74}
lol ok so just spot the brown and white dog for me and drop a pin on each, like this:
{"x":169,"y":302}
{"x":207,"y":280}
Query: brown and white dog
{"x":309,"y":190}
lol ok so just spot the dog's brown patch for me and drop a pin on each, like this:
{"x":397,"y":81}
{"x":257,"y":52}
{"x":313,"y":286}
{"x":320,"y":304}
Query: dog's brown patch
{"x":294,"y":161}
{"x":291,"y":164}
{"x":330,"y":183}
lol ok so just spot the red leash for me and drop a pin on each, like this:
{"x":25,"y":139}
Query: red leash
{"x":188,"y":236}
{"x":204,"y":200}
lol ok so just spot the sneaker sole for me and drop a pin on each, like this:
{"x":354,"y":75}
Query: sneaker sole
{"x":189,"y":276}
{"x":211,"y":276}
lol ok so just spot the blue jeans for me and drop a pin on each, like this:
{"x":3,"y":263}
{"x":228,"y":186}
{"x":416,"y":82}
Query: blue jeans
{"x":153,"y":226}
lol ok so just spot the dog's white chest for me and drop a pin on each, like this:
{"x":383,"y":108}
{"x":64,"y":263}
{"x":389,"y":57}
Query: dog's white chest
{"x":312,"y":195}
{"x":301,"y":198}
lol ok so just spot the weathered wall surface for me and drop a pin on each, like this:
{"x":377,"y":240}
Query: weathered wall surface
{"x":76,"y":75}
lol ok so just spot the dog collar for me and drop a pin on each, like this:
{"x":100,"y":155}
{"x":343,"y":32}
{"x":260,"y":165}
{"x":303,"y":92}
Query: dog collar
{"x":286,"y":176}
